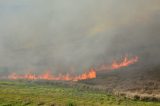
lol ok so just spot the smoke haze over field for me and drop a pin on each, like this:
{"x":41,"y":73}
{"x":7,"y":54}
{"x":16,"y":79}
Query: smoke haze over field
{"x":77,"y":34}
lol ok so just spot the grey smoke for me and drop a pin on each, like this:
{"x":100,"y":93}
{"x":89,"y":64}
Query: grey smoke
{"x":76,"y":34}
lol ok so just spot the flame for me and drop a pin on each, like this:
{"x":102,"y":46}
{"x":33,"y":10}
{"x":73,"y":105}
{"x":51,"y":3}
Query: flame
{"x":126,"y":61}
{"x":90,"y":75}
{"x":48,"y":76}
{"x":119,"y":64}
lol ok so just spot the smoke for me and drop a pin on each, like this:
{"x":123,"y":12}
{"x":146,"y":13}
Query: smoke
{"x":74,"y":35}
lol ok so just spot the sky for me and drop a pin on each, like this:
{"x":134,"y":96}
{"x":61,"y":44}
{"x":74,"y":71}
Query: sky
{"x":77,"y":34}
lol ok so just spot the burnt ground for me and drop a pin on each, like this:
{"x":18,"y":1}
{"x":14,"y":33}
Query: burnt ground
{"x":131,"y":82}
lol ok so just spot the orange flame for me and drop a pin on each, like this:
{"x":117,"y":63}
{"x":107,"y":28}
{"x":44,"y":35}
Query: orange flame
{"x":48,"y":76}
{"x":125,"y":62}
{"x":68,"y":77}
{"x":119,"y":64}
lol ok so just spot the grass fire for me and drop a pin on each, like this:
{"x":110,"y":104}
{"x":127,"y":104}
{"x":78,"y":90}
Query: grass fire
{"x":79,"y":52}
{"x":68,"y":77}
{"x":48,"y":76}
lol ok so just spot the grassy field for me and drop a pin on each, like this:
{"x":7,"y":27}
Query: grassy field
{"x":15,"y":93}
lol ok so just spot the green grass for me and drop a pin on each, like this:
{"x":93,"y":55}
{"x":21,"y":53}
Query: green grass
{"x":14,"y":93}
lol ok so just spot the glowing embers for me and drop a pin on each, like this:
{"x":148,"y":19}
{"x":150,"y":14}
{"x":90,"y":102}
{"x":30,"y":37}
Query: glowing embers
{"x":48,"y":76}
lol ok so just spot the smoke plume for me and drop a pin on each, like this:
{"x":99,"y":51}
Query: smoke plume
{"x":74,"y":35}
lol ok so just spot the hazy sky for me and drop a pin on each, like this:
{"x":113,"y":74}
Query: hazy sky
{"x":55,"y":34}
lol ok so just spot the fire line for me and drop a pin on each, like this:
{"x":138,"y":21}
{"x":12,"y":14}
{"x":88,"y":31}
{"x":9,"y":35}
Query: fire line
{"x":68,"y":77}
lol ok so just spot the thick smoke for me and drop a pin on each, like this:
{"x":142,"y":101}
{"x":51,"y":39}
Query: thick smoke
{"x":74,"y":35}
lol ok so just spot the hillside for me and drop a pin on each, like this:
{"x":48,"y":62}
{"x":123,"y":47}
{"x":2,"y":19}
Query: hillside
{"x":131,"y":82}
